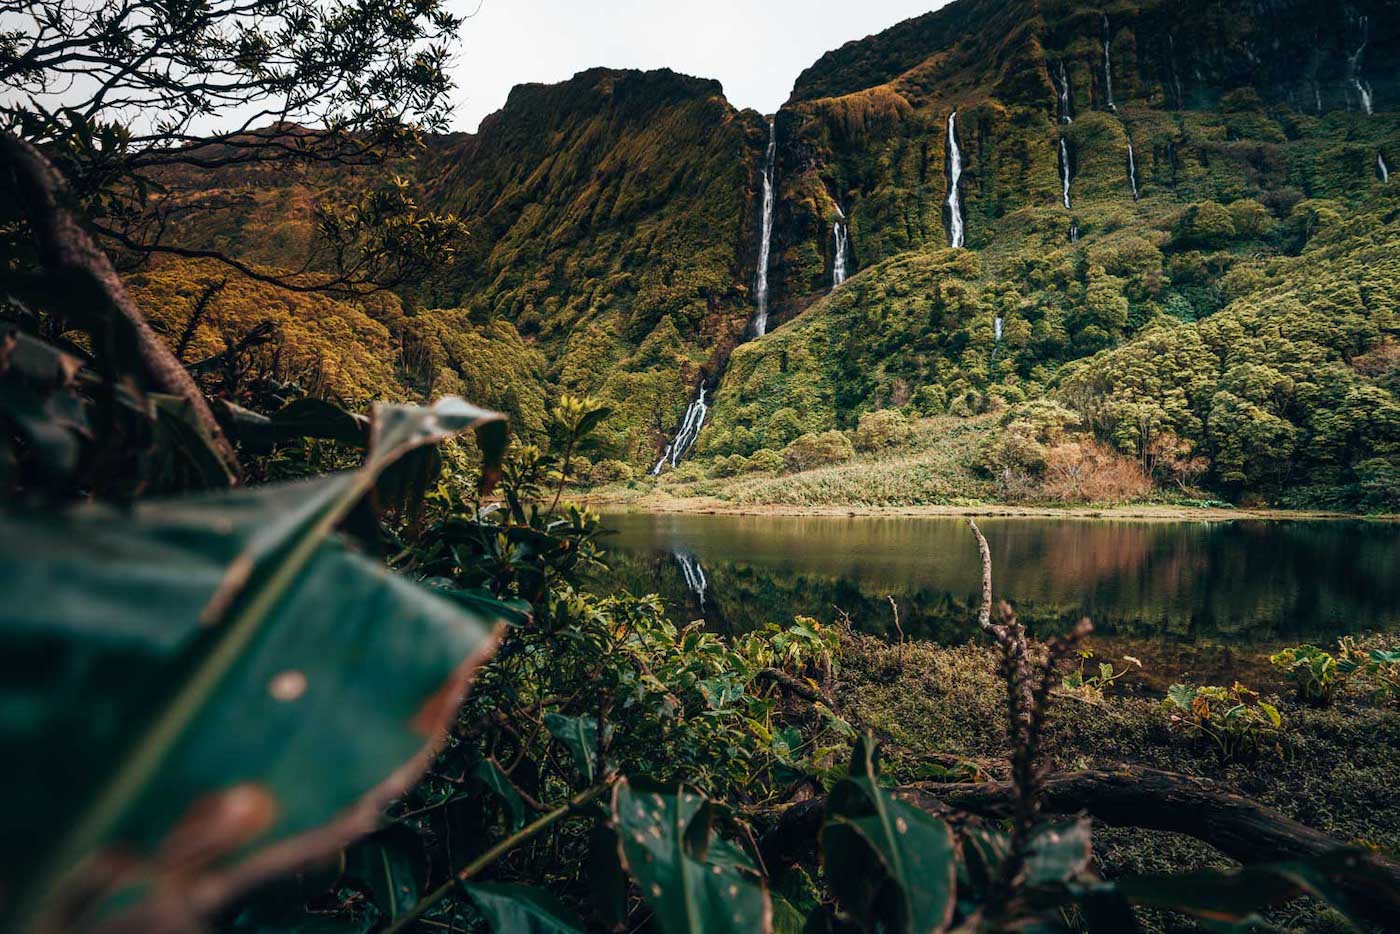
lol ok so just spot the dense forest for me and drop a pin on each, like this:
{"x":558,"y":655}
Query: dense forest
{"x":303,"y":626}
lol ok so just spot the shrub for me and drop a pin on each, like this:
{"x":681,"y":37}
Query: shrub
{"x":765,"y":461}
{"x":876,"y":431}
{"x":930,"y":400}
{"x":1093,"y":686}
{"x":730,"y":466}
{"x":1207,"y":224}
{"x":611,"y":470}
{"x":1379,"y":666}
{"x":1314,"y":673}
{"x":783,"y":426}
{"x":1085,"y":471}
{"x":817,"y":450}
{"x":1236,"y":720}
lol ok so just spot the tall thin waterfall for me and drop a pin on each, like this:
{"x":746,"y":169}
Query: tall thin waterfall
{"x":841,"y":246}
{"x":956,"y":232}
{"x":1132,"y":170}
{"x":1064,"y":172}
{"x":686,"y":434}
{"x":1108,"y":64}
{"x":1382,"y":167}
{"x":765,"y":243}
{"x":1074,"y":231}
{"x":1363,"y":90}
{"x":996,"y":328}
{"x":1065,"y":116}
{"x":694,"y":575}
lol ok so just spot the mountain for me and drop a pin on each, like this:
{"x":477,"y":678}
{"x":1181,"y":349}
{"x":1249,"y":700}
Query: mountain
{"x":1180,"y":245}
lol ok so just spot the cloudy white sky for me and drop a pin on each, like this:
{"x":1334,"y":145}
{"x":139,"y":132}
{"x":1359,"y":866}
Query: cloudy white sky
{"x":756,"y":48}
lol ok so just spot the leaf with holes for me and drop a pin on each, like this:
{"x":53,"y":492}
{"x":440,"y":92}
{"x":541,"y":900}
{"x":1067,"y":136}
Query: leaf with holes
{"x":219,"y":688}
{"x":890,"y":864}
{"x":694,"y":881}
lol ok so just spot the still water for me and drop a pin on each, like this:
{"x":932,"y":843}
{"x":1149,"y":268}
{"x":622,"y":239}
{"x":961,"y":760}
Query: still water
{"x":1205,"y":600}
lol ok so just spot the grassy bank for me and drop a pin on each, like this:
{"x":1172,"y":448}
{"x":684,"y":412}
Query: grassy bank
{"x":1339,"y":771}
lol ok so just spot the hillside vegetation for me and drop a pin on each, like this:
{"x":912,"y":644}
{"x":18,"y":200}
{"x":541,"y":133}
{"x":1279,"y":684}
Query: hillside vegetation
{"x":1215,"y":310}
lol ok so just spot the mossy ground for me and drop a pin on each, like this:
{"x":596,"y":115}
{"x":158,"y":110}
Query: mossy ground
{"x":1340,"y":772}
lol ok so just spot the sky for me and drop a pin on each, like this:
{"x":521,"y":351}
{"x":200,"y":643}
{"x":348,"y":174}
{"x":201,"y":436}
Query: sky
{"x":755,"y":48}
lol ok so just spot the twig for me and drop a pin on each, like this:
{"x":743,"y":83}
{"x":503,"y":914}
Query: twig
{"x":496,"y":852}
{"x":900,"y":629}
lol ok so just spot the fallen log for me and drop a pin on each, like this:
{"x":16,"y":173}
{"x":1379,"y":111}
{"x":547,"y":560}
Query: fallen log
{"x":1131,"y":796}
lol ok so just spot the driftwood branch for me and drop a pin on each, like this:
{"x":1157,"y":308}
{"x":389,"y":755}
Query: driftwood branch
{"x":1143,"y":798}
{"x":95,"y":297}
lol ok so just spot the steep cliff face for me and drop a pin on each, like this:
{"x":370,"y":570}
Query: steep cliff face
{"x":1125,"y":171}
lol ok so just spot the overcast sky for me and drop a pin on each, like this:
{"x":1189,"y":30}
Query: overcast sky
{"x":756,"y":48}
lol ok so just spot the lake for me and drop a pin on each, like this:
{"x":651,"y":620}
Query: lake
{"x":1208,"y":601}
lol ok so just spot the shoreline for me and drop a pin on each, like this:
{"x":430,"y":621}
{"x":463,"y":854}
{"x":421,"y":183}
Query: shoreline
{"x":651,"y":503}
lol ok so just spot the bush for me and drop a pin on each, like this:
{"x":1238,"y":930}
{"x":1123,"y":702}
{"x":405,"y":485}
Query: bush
{"x":887,"y":428}
{"x":1086,"y":471}
{"x":765,"y":461}
{"x":611,"y":471}
{"x":1207,"y":224}
{"x":730,"y":466}
{"x":1236,"y":720}
{"x":1314,"y":673}
{"x":817,"y":450}
{"x":930,"y":400}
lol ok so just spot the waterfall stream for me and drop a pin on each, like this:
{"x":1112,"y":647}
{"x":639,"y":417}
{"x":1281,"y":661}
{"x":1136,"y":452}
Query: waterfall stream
{"x":996,"y":328}
{"x":841,"y":247}
{"x":1382,"y":167}
{"x":956,"y":232}
{"x":686,"y":434}
{"x":1363,"y":90}
{"x":1108,"y":64}
{"x":1064,"y":172}
{"x":1065,"y":116}
{"x":694,"y":575}
{"x":1132,"y":170}
{"x":765,"y":243}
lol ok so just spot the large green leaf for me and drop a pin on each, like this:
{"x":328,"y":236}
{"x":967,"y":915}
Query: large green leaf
{"x":520,"y":909}
{"x":580,"y":735}
{"x":891,"y":864}
{"x":204,"y":692}
{"x":489,"y":775}
{"x":391,"y":864}
{"x":693,"y":881}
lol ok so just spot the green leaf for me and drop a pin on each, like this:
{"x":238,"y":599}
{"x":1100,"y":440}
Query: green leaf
{"x":392,"y":866}
{"x":1059,"y":853}
{"x":693,"y":882}
{"x":490,"y":776}
{"x":1238,"y":896}
{"x":889,"y":863}
{"x":1182,"y":695}
{"x":218,"y":687}
{"x":521,"y":909}
{"x":786,"y":918}
{"x":580,"y":735}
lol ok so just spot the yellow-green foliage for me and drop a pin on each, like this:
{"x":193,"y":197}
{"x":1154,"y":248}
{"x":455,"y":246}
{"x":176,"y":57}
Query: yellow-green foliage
{"x":319,"y":338}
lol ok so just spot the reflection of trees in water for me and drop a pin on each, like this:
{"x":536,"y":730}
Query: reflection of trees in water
{"x":1238,"y":581}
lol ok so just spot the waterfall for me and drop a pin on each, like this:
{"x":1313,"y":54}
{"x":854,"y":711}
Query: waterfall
{"x":765,"y":243}
{"x":841,"y":246}
{"x":1064,"y":172}
{"x":1064,"y":96}
{"x":694,"y":575}
{"x":1363,"y":90}
{"x":1382,"y":167}
{"x":996,"y":327}
{"x":956,"y":236}
{"x":1074,"y":231}
{"x":686,"y":434}
{"x":1108,"y":64}
{"x":1132,"y":170}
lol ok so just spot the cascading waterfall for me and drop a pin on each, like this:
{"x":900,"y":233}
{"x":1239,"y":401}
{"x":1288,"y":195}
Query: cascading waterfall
{"x":841,"y":246}
{"x":1132,"y":170}
{"x":1382,"y":167}
{"x":1064,"y":96}
{"x":996,"y":328}
{"x":685,"y":435}
{"x":1108,"y":64}
{"x":1074,"y":231}
{"x":765,"y":243}
{"x":694,"y":575}
{"x":1064,"y":173}
{"x":1363,"y":90}
{"x":956,"y":233}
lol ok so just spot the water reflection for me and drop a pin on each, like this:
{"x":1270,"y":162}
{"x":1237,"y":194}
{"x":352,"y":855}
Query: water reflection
{"x":1220,"y":593}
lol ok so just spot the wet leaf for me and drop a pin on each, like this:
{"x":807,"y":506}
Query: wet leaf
{"x":520,"y":909}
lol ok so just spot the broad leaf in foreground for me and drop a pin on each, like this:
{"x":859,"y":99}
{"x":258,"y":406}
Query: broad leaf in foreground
{"x":197,"y":694}
{"x":694,"y":882}
{"x":520,"y":909}
{"x":892,"y":865}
